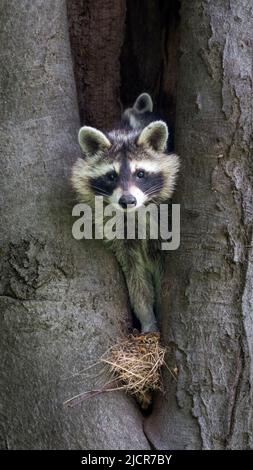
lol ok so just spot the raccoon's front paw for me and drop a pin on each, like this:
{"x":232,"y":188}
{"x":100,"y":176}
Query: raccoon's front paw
{"x":149,"y":328}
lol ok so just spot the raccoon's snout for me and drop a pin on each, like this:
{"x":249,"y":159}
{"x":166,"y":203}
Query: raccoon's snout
{"x":127,"y":200}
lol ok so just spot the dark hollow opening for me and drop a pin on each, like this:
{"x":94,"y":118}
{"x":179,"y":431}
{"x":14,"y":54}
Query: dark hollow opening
{"x":150,"y":52}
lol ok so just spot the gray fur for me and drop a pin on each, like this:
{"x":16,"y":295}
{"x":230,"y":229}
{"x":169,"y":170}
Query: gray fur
{"x":142,"y":264}
{"x":140,"y":114}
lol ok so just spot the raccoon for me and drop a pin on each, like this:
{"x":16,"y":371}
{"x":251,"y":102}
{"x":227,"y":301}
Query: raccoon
{"x":141,"y":114}
{"x":129,"y":168}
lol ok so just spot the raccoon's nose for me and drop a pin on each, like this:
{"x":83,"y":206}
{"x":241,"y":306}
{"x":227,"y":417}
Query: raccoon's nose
{"x":127,"y":200}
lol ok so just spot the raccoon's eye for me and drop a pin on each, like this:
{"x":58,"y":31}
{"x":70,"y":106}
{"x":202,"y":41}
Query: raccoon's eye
{"x":112,"y":176}
{"x":140,"y":174}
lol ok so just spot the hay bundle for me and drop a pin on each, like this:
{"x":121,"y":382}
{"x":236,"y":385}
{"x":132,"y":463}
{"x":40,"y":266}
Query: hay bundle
{"x":134,"y":365}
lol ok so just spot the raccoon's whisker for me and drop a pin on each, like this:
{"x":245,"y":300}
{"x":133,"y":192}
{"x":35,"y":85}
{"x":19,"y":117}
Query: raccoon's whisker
{"x":153,"y":191}
{"x":99,"y":190}
{"x":154,"y":188}
{"x":150,"y":193}
{"x":155,"y":194}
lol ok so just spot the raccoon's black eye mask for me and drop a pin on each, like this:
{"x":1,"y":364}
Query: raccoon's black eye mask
{"x":112,"y":176}
{"x":149,"y":183}
{"x":104,"y":185}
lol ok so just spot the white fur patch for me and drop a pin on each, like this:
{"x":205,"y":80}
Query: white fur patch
{"x":139,"y":196}
{"x":134,"y":123}
{"x":116,"y":195}
{"x":150,"y":166}
{"x":136,"y":192}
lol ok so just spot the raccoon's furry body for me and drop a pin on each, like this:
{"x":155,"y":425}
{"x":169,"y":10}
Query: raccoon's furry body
{"x":129,"y":168}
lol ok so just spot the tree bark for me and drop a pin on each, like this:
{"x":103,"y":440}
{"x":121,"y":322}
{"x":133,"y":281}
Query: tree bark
{"x":63,"y":302}
{"x":209,"y":280}
{"x":96,"y":33}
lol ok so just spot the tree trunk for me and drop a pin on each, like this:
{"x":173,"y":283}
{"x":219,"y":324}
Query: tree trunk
{"x":208,"y":300}
{"x":96,"y":33}
{"x":62,"y":301}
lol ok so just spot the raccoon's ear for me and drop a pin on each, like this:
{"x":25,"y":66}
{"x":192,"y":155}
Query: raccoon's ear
{"x":155,"y":135}
{"x":143,"y":103}
{"x":92,"y":141}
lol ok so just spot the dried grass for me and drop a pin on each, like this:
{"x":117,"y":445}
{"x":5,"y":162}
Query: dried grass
{"x":134,"y":365}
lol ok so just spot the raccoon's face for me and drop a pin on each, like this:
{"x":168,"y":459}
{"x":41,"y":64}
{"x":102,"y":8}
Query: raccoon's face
{"x":129,"y":169}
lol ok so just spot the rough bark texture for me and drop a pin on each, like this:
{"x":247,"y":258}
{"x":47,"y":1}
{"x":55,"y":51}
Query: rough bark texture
{"x":62,"y":301}
{"x":96,"y":33}
{"x":208,"y":302}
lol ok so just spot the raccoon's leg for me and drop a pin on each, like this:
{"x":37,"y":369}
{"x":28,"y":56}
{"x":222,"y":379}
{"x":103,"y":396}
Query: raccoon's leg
{"x":140,"y":286}
{"x":142,"y":298}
